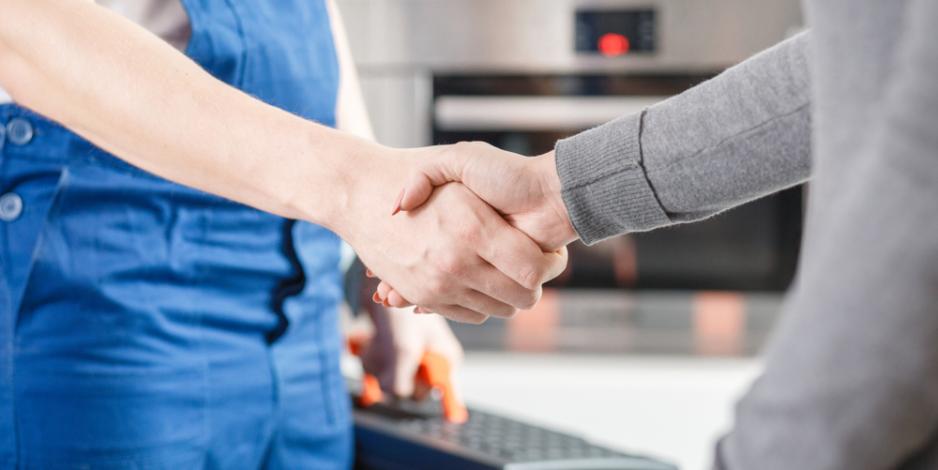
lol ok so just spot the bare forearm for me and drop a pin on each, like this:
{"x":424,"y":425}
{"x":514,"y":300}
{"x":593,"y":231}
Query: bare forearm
{"x":135,"y":96}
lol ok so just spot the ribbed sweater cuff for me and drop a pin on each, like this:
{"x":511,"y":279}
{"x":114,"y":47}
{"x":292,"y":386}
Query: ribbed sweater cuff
{"x":604,"y":184}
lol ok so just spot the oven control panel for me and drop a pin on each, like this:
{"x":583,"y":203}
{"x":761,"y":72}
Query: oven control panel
{"x":614,"y":33}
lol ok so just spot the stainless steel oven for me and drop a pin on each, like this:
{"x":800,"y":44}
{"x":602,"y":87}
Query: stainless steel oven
{"x":523,"y":73}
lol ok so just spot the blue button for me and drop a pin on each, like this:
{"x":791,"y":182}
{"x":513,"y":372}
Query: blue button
{"x":11,"y":206}
{"x":19,"y":131}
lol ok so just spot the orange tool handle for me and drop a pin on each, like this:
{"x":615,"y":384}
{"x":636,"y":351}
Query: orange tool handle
{"x":371,"y":389}
{"x":434,"y":371}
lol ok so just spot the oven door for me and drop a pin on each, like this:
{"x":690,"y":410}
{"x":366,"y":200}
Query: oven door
{"x":752,"y":247}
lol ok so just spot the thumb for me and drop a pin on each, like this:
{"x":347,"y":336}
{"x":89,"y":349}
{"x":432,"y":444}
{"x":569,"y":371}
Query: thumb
{"x":418,"y":189}
{"x":444,"y":167}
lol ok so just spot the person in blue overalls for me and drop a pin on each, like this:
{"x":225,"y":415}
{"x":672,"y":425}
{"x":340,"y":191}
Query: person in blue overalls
{"x":170,"y":230}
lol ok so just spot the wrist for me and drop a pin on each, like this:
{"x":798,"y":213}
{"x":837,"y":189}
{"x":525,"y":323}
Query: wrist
{"x":366,"y":179}
{"x":334,"y":176}
{"x":562,"y":231}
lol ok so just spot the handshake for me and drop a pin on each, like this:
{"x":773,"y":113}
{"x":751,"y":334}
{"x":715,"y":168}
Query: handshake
{"x":474,"y":231}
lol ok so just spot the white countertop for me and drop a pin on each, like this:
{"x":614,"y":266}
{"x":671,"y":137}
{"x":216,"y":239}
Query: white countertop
{"x":673,"y":408}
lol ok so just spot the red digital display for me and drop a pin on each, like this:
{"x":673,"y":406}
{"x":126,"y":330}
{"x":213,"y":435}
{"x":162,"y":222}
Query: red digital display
{"x":613,"y":44}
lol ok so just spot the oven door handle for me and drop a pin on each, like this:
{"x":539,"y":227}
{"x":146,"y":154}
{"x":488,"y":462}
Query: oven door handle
{"x":533,"y":113}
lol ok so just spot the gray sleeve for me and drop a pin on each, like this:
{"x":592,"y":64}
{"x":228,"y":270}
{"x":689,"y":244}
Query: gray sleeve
{"x":851,"y":378}
{"x":729,"y":140}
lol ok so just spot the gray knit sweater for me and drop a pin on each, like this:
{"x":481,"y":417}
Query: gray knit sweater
{"x":851,"y":379}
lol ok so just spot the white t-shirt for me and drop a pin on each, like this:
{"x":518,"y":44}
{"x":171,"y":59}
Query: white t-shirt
{"x":165,"y":18}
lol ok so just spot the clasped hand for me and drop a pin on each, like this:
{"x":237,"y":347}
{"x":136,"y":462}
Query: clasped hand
{"x":449,"y":252}
{"x":479,"y":248}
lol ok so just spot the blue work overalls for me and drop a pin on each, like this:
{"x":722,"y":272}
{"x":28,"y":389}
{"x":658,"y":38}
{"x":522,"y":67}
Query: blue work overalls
{"x":148,"y":325}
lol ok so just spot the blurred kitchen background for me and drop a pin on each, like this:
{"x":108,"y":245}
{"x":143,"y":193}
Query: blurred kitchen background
{"x":646,"y":341}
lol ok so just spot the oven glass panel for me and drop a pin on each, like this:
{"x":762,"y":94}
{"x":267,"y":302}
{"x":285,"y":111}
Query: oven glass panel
{"x":752,"y":247}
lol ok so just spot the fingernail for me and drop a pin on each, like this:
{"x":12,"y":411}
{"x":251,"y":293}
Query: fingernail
{"x":369,"y":273}
{"x":397,"y":203}
{"x":376,"y":298}
{"x":386,"y":303}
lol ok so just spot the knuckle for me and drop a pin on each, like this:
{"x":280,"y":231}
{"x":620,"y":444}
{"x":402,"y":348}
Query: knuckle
{"x":471,"y":146}
{"x":506,"y":312}
{"x":471,"y":234}
{"x":450,"y":264}
{"x":408,"y":350}
{"x":502,"y":309}
{"x":463,"y":147}
{"x":480,"y":145}
{"x":436,"y":285}
{"x":530,"y":278}
{"x":532,"y":297}
{"x":453,"y":350}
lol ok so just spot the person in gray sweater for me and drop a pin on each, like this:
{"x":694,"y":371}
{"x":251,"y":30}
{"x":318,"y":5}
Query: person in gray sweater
{"x":851,"y":374}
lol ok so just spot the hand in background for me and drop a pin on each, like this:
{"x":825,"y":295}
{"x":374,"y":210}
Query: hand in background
{"x":525,"y":191}
{"x":454,"y":254}
{"x":400,"y":341}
